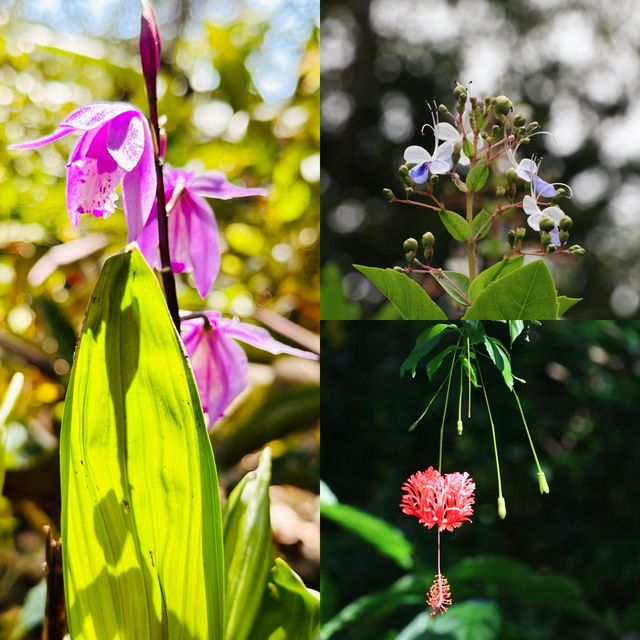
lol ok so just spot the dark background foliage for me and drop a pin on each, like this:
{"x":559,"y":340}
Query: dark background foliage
{"x":581,"y":402}
{"x":570,"y":65}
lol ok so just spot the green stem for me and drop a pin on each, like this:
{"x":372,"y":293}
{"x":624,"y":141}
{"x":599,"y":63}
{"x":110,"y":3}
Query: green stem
{"x":469,"y":379}
{"x":446,"y":404}
{"x":471,"y":244}
{"x":526,"y":428}
{"x":493,"y":431}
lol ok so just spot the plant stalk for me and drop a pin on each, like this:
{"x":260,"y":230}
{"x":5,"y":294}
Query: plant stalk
{"x":471,"y":243}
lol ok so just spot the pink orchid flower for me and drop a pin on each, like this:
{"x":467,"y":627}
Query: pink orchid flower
{"x":193,"y":231}
{"x":115,"y":146}
{"x":219,"y":363}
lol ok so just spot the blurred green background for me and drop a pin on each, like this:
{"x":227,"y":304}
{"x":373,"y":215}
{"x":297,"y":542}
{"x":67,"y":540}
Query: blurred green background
{"x":240,"y":89}
{"x":563,"y":565}
{"x":573,"y":66}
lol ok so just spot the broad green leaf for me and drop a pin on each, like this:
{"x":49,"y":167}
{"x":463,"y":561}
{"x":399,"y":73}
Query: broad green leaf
{"x":467,"y":147}
{"x":456,"y":225}
{"x":334,"y":304}
{"x":407,"y":296}
{"x":526,"y":294}
{"x":565,"y":303}
{"x":247,"y":548}
{"x":501,"y":358}
{"x":455,"y":284}
{"x":426,"y":342}
{"x":477,"y":177}
{"x":481,"y":222}
{"x":494,"y":272}
{"x":474,"y":330}
{"x":141,"y":520}
{"x":516,"y":327}
{"x":471,"y":620}
{"x":289,"y":611}
{"x":386,"y":539}
{"x":434,"y":364}
{"x":470,"y":370}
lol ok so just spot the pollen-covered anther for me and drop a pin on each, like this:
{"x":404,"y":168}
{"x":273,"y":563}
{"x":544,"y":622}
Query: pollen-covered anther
{"x":439,"y":596}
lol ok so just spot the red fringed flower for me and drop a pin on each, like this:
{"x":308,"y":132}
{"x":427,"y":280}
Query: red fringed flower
{"x":439,"y":596}
{"x":443,"y":500}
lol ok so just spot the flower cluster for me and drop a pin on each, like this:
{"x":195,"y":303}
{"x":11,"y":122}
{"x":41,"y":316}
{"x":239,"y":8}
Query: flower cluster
{"x":442,"y":500}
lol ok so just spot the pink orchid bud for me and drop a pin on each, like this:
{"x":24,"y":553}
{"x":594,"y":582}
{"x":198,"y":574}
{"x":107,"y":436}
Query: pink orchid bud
{"x":150,"y":46}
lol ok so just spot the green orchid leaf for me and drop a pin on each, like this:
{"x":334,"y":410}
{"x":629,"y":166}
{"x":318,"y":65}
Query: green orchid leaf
{"x":407,"y":296}
{"x":141,"y":519}
{"x":480,"y":222}
{"x":426,"y":342}
{"x":493,"y":273}
{"x":477,"y":177}
{"x":455,"y":284}
{"x":456,"y":225}
{"x":247,"y":548}
{"x":289,"y":611}
{"x":526,"y":294}
{"x":389,"y":541}
{"x":565,"y":303}
{"x":501,"y":358}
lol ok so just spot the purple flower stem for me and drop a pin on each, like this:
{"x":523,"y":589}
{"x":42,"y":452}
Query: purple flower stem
{"x":168,"y":278}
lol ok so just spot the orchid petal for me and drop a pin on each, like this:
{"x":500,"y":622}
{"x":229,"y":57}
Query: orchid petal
{"x":139,"y":188}
{"x":446,"y":131}
{"x":530,"y":206}
{"x":125,"y":139}
{"x":214,"y":184}
{"x":58,"y":133}
{"x":148,"y":239}
{"x":91,"y":116}
{"x":260,"y":338}
{"x":416,"y":154}
{"x":420,"y":173}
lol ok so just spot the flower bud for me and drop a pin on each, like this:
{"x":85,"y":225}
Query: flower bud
{"x":473,"y":100}
{"x":511,"y":175}
{"x":500,"y":191}
{"x":428,"y":255}
{"x":521,"y":232}
{"x":565,"y":224}
{"x":503,"y":105}
{"x":547,"y":224}
{"x":545,"y":239}
{"x":542,"y":481}
{"x":433,"y":178}
{"x":403,"y":172}
{"x":459,"y":427}
{"x":410,"y":256}
{"x":551,"y":249}
{"x":564,"y":236}
{"x":150,"y":45}
{"x":519,"y":120}
{"x":428,"y":240}
{"x":496,"y":131}
{"x":442,"y":108}
{"x":502,"y":508}
{"x":410,"y":244}
{"x":388,"y":195}
{"x":511,"y":237}
{"x":525,"y":140}
{"x":577,"y":250}
{"x":460,"y":93}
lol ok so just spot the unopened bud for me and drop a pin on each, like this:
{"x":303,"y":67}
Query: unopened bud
{"x":433,"y":178}
{"x":388,"y":195}
{"x":545,"y":239}
{"x":473,"y":100}
{"x":547,"y":224}
{"x":150,"y":45}
{"x":560,"y":192}
{"x":442,"y":108}
{"x":428,"y":239}
{"x":403,"y":172}
{"x":502,"y":508}
{"x":525,"y":140}
{"x":459,"y":427}
{"x":410,"y":244}
{"x":577,"y":250}
{"x":398,"y":269}
{"x":512,"y":175}
{"x":565,"y":223}
{"x":519,"y":120}
{"x":500,"y":191}
{"x":564,"y":236}
{"x":551,"y":249}
{"x":496,"y":130}
{"x":410,"y":256}
{"x":503,"y":105}
{"x":511,"y":237}
{"x":521,"y":232}
{"x":542,"y":481}
{"x":460,"y":92}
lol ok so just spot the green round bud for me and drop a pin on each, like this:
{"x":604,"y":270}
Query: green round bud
{"x":500,"y":191}
{"x":433,"y":178}
{"x":442,"y":108}
{"x":560,"y":192}
{"x":511,"y":174}
{"x":503,"y":105}
{"x":551,"y":248}
{"x":460,"y":92}
{"x":565,"y":223}
{"x":545,"y":239}
{"x":521,"y":232}
{"x":496,"y":130}
{"x":487,"y":102}
{"x":564,"y":236}
{"x":542,"y":481}
{"x":547,"y":224}
{"x":410,"y":244}
{"x":410,"y":256}
{"x":519,"y":120}
{"x":577,"y":250}
{"x":388,"y":195}
{"x":502,"y":508}
{"x":428,"y":240}
{"x":473,"y":100}
{"x":408,"y":190}
{"x":511,"y":237}
{"x":525,"y":140}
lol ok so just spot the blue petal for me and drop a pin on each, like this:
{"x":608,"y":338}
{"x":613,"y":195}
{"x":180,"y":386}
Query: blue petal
{"x":543,"y":188}
{"x":420,"y":173}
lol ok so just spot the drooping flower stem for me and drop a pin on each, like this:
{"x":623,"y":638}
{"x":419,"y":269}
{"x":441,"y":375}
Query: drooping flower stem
{"x":469,"y":380}
{"x":460,"y":400}
{"x":501,"y":503}
{"x":446,"y":404}
{"x":470,"y":244}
